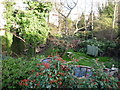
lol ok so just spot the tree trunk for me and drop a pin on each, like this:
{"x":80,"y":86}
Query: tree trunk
{"x":114,"y":19}
{"x":66,"y":26}
{"x":17,"y":46}
{"x":0,"y":48}
{"x":31,"y":50}
{"x":119,"y":19}
{"x":9,"y":40}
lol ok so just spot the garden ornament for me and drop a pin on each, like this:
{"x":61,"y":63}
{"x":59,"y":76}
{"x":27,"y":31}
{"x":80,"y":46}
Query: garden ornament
{"x":113,"y":70}
{"x":69,"y":53}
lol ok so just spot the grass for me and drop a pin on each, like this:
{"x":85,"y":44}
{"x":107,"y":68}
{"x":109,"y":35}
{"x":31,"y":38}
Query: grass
{"x":87,"y":60}
{"x":83,"y":58}
{"x":104,"y":59}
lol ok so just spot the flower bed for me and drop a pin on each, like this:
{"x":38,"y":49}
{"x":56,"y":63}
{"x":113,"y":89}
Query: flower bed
{"x":54,"y":72}
{"x":79,"y":71}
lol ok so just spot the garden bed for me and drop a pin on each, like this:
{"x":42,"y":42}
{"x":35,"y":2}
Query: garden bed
{"x":81,"y":71}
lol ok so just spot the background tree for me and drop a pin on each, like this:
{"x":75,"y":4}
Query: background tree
{"x":64,"y":8}
{"x":119,"y":19}
{"x":80,"y":23}
{"x":105,"y":22}
{"x":28,"y":26}
{"x":9,"y":18}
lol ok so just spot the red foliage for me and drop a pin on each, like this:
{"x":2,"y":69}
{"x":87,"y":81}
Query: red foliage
{"x":24,"y":82}
{"x":61,"y":73}
{"x":50,"y":56}
{"x":42,"y":69}
{"x":32,"y":71}
{"x":76,"y":60}
{"x":37,"y":74}
{"x":39,"y":64}
{"x":53,"y":81}
{"x":40,"y":73}
{"x":109,"y":75}
{"x":49,"y":76}
{"x":95,"y":83}
{"x":60,"y":83}
{"x":107,"y":80}
{"x":38,"y":84}
{"x":32,"y":80}
{"x":78,"y":66}
{"x":59,"y":79}
{"x":118,"y":84}
{"x":47,"y":65}
{"x":60,"y":59}
{"x":54,"y":66}
{"x":92,"y":80}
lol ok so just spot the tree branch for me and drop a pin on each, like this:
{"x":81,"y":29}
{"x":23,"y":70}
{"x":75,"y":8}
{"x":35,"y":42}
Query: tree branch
{"x":17,"y":36}
{"x":71,"y":8}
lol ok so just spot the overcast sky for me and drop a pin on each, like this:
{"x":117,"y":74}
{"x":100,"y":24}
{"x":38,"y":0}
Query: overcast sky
{"x":75,"y":13}
{"x":85,"y":6}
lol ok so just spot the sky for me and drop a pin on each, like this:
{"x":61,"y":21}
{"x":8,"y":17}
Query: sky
{"x":85,"y":6}
{"x":2,"y":9}
{"x":76,"y":12}
{"x":2,"y":21}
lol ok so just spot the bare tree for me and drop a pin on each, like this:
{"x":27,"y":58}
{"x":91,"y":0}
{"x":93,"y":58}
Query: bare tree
{"x":80,"y":18}
{"x":114,"y":18}
{"x":91,"y":19}
{"x":64,"y":8}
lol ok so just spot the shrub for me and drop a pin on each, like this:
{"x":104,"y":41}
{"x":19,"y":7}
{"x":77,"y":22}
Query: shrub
{"x":15,"y":69}
{"x":104,"y":46}
{"x":55,"y":74}
{"x":58,"y":74}
{"x":99,"y":79}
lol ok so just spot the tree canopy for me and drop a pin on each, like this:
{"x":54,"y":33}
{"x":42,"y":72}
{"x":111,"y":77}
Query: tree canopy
{"x":30,"y":24}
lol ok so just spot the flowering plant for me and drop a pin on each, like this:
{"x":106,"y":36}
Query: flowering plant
{"x":56,"y":73}
{"x":99,"y":79}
